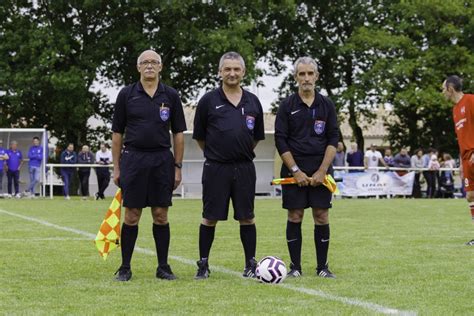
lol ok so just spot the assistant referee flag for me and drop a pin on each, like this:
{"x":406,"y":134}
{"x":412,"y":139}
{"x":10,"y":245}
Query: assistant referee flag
{"x":108,"y":237}
{"x":329,"y":183}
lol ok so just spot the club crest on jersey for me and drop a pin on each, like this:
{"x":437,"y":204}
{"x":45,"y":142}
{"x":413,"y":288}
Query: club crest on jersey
{"x":319,"y":127}
{"x":250,"y":121}
{"x":164,"y":113}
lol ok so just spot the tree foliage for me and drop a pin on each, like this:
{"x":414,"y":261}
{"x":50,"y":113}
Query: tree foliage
{"x":414,"y":48}
{"x":56,"y":50}
{"x":53,"y":54}
{"x":323,"y":30}
{"x":191,"y":37}
{"x":385,"y":52}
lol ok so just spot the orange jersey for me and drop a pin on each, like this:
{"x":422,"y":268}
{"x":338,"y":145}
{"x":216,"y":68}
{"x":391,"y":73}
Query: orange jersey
{"x":463,"y":116}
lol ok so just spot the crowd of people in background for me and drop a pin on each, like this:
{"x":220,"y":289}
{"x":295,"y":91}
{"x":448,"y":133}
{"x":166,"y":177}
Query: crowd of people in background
{"x":438,"y":183}
{"x":11,"y":161}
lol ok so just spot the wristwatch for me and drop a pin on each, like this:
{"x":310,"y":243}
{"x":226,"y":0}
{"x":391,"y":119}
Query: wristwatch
{"x":294,"y":169}
{"x":178,"y":165}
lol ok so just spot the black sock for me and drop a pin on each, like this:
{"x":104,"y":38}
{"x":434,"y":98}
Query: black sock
{"x":206,"y":237}
{"x":129,"y":237}
{"x":161,"y":234}
{"x":294,"y":240}
{"x":321,"y":239}
{"x":248,"y":236}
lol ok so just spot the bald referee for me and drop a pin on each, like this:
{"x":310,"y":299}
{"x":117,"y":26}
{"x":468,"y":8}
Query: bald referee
{"x":144,"y":166}
{"x":227,"y":126}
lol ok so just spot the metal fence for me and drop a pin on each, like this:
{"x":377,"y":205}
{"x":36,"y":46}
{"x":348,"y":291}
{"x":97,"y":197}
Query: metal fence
{"x":192,"y":172}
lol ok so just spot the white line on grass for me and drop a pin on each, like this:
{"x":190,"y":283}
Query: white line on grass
{"x":33,"y":239}
{"x":345,"y":300}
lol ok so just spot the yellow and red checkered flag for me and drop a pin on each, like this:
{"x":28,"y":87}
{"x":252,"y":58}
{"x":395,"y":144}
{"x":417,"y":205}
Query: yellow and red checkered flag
{"x":329,"y":183}
{"x":108,"y":237}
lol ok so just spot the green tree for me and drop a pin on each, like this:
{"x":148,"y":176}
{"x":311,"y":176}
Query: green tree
{"x":324,"y":29}
{"x":414,"y":49}
{"x":191,"y":36}
{"x":55,"y":51}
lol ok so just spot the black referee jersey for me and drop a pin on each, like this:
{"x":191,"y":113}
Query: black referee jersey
{"x":306,"y":131}
{"x":145,"y":120}
{"x":229,"y":131}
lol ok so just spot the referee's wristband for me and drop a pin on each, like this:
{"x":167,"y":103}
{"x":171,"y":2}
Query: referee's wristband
{"x":178,"y":165}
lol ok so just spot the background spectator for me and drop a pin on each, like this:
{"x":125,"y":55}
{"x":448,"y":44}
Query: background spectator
{"x":14,"y":163}
{"x":417,"y":162}
{"x":402,"y":160}
{"x":446,"y":177}
{"x":85,"y":157}
{"x":68,"y":157}
{"x":373,"y":157}
{"x":103,"y":157}
{"x":430,"y":175}
{"x":433,"y":166}
{"x":35,"y":156}
{"x":3,"y":158}
{"x":355,"y":158}
{"x":339,"y":160}
{"x":340,"y":155}
{"x":388,"y":158}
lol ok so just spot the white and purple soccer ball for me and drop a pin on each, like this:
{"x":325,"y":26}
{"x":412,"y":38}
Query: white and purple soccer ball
{"x":271,"y":270}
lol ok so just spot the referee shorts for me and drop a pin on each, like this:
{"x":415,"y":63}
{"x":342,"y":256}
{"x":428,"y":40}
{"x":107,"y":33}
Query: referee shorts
{"x":146,"y":178}
{"x":222,"y":182}
{"x":295,"y":197}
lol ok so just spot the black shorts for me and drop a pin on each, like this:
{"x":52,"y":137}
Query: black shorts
{"x":295,"y":197}
{"x":224,"y":181}
{"x":146,"y":178}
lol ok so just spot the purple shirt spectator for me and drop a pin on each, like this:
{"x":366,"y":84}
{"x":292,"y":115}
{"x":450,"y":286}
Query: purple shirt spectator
{"x":389,"y":161}
{"x":35,"y":154}
{"x":14,"y":159}
{"x":355,"y":159}
{"x":402,"y":159}
{"x":3,"y":151}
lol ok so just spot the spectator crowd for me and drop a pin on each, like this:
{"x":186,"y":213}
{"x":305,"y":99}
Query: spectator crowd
{"x":439,"y":183}
{"x":12,"y":159}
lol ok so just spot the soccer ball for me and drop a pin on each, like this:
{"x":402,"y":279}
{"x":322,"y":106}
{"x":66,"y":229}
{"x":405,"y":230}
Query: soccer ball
{"x":271,"y":270}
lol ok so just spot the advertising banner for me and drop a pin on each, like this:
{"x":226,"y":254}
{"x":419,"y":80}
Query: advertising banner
{"x":373,"y":183}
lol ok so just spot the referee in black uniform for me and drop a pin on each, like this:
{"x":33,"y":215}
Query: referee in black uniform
{"x":144,"y":166}
{"x":227,"y":126}
{"x":306,"y":136}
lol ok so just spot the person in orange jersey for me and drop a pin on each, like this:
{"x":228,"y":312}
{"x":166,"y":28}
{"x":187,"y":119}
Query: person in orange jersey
{"x":463,"y":116}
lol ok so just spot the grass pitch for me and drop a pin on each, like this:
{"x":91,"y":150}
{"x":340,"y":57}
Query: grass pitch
{"x":389,"y":255}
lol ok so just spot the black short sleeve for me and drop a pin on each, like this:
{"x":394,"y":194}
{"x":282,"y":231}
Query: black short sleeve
{"x":178,"y":122}
{"x":200,"y":120}
{"x":119,"y":120}
{"x":259,"y":130}
{"x":281,"y":128}
{"x":333,"y":128}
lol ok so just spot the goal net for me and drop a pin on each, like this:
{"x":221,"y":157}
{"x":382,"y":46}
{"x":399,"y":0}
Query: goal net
{"x":24,"y":139}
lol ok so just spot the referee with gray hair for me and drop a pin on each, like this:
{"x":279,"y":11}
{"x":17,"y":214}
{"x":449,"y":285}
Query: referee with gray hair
{"x":144,"y":166}
{"x":306,"y":136}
